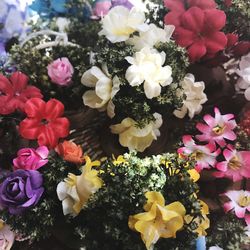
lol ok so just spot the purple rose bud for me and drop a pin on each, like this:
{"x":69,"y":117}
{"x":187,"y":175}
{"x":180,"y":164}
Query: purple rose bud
{"x":21,"y":190}
{"x":31,"y":159}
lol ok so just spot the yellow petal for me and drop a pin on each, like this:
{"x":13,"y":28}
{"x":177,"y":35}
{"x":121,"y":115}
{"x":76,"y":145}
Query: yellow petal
{"x":154,"y":197}
{"x":147,"y":216}
{"x":204,"y":207}
{"x":177,"y":207}
{"x":195,"y":176}
{"x":172,"y":226}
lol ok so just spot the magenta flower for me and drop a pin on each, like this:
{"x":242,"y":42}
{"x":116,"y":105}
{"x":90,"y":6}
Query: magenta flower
{"x":217,"y":128}
{"x":205,"y":155}
{"x":240,"y":202}
{"x":30,"y":158}
{"x":236,"y":166}
{"x":60,"y":71}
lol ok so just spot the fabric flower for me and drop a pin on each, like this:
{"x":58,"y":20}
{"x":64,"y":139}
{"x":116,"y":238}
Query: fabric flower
{"x":69,"y":151}
{"x":236,"y":166}
{"x":204,"y":155}
{"x":120,"y":23}
{"x":21,"y":190}
{"x":105,"y":89}
{"x":195,"y":97}
{"x":44,"y":122}
{"x":152,"y":36}
{"x":244,"y":72}
{"x":75,"y":191}
{"x":60,"y":71}
{"x":14,"y":93}
{"x":135,"y":138}
{"x":217,"y":128}
{"x":239,"y":202}
{"x":125,"y":3}
{"x":101,"y":7}
{"x":7,"y":237}
{"x":215,"y":248}
{"x":30,"y":158}
{"x":147,"y":68}
{"x":158,"y":220}
{"x":198,"y":27}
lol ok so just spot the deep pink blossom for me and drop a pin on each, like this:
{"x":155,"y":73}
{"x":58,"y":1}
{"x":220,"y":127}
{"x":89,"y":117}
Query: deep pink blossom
{"x":217,"y":128}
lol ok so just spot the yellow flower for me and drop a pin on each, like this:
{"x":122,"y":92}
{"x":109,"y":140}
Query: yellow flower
{"x":75,"y":191}
{"x":195,"y":176}
{"x":159,"y":220}
{"x":120,"y":159}
{"x":203,"y":223}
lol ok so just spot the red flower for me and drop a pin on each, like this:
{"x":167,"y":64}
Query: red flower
{"x":14,"y":93}
{"x":44,"y":122}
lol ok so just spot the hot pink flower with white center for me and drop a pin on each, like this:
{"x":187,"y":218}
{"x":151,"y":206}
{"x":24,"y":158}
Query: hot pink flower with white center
{"x":218,"y":128}
{"x":240,"y":202}
{"x":205,"y":155}
{"x":236,"y":166}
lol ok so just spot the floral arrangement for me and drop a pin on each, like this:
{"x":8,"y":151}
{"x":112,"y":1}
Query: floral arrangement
{"x":125,"y":125}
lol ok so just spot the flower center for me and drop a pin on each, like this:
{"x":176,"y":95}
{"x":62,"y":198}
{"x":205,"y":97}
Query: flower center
{"x":218,"y":130}
{"x":44,"y":121}
{"x":17,"y":94}
{"x":197,"y":155}
{"x":234,"y":163}
{"x":244,"y":201}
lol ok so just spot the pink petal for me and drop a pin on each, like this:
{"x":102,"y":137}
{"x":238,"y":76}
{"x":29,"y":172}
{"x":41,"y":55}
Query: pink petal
{"x":222,"y":166}
{"x":240,"y":212}
{"x":230,"y":135}
{"x":209,"y":120}
{"x":215,"y":20}
{"x":228,"y":206}
{"x":184,"y":37}
{"x":43,"y":152}
{"x":203,"y":128}
{"x":197,"y":50}
{"x":187,"y":140}
{"x":228,"y":154}
{"x":215,"y":42}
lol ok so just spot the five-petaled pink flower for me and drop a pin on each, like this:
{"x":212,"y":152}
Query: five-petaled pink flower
{"x":15,"y":92}
{"x":205,"y":155}
{"x":236,"y":166}
{"x":240,"y":202}
{"x":217,"y":128}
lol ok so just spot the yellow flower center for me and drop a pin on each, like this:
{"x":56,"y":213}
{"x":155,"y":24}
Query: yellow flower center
{"x":234,"y":163}
{"x":218,"y":130}
{"x":244,"y":201}
{"x":197,"y":155}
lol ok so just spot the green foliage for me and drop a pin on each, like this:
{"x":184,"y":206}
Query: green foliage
{"x":103,"y":223}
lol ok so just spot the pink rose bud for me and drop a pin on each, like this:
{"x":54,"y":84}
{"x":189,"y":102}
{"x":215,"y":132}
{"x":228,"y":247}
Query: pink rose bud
{"x":60,"y":71}
{"x":102,"y":8}
{"x":31,"y":159}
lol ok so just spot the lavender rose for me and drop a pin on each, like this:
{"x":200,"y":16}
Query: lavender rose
{"x":30,"y":158}
{"x":21,"y":190}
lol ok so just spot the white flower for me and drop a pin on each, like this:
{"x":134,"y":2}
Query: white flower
{"x":244,"y":73}
{"x":105,"y":89}
{"x":195,"y":97}
{"x":120,"y":23}
{"x":62,"y":23}
{"x":147,"y":67}
{"x":152,"y":36}
{"x":137,"y":138}
{"x":215,"y":248}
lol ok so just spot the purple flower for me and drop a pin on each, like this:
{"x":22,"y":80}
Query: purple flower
{"x":21,"y":190}
{"x":124,"y":3}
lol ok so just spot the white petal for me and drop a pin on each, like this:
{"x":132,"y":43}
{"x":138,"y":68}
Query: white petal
{"x":61,"y":190}
{"x":92,"y":100}
{"x":152,"y":89}
{"x":103,"y":88}
{"x":247,"y":94}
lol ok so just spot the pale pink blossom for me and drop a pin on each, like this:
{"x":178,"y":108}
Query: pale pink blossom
{"x":60,"y":71}
{"x":236,"y":165}
{"x":205,"y":155}
{"x":30,"y":158}
{"x":239,"y":202}
{"x":217,"y":128}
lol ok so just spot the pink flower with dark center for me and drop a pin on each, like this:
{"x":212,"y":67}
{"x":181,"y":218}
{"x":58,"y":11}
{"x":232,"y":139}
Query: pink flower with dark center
{"x":217,"y":128}
{"x":236,"y":166}
{"x":205,"y":155}
{"x":240,"y":202}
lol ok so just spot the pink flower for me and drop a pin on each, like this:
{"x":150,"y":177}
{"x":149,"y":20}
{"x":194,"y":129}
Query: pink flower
{"x":101,"y":8}
{"x":7,"y":237}
{"x":60,"y":71}
{"x":15,"y":92}
{"x":205,"y":155}
{"x":31,"y":159}
{"x":240,"y":202}
{"x":218,"y":128}
{"x":236,"y":166}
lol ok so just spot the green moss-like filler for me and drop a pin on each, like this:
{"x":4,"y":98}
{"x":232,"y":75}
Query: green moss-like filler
{"x":238,"y":17}
{"x":103,"y":223}
{"x":228,"y":233}
{"x":34,"y":63}
{"x":37,"y":223}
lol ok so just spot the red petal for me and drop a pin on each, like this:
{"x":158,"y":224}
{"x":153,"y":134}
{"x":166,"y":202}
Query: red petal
{"x":32,"y":92}
{"x":215,"y":42}
{"x":54,"y":109}
{"x":175,"y":5}
{"x":47,"y":137}
{"x":19,"y":81}
{"x":173,"y":18}
{"x":35,"y":107}
{"x":60,"y":126}
{"x":197,"y":51}
{"x":193,"y":19}
{"x":184,"y":37}
{"x":232,"y":39}
{"x":203,"y":4}
{"x":215,"y":20}
{"x":5,"y":86}
{"x":30,"y":128}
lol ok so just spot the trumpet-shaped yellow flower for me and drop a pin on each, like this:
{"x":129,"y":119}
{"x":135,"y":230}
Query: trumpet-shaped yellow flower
{"x":203,"y":223}
{"x":75,"y":191}
{"x":159,"y":220}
